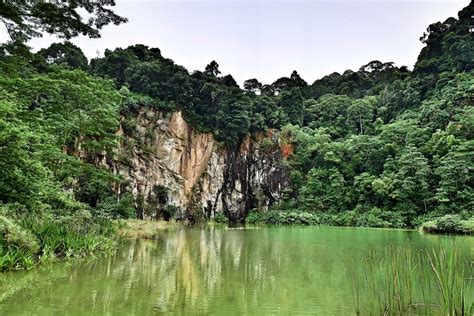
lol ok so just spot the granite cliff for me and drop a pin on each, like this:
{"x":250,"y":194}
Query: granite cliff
{"x":166,"y":162}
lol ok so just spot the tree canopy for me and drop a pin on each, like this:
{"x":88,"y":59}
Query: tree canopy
{"x":26,"y":19}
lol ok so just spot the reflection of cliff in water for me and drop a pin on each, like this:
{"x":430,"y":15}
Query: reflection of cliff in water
{"x":208,"y":270}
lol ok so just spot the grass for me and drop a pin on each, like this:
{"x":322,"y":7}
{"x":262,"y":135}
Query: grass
{"x":405,"y":280}
{"x":27,"y":243}
{"x":147,"y":229}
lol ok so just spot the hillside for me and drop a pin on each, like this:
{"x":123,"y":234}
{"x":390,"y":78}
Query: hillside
{"x":132,"y":134}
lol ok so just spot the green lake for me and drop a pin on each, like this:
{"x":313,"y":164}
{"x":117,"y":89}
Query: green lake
{"x":270,"y":270}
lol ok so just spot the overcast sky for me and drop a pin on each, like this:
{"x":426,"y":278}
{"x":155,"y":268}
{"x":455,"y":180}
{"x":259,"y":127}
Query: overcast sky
{"x":268,"y":39}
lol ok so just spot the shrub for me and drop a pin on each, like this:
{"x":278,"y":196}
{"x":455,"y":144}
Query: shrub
{"x":220,"y":218}
{"x":169,"y":211}
{"x":113,"y":207}
{"x":266,"y":145}
{"x":380,"y":218}
{"x":129,"y":126}
{"x":373,"y":218}
{"x":13,"y":236}
{"x":467,"y":226}
{"x":449,"y":224}
{"x":276,"y":217}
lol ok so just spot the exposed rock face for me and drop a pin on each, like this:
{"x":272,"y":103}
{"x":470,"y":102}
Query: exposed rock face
{"x":167,"y":162}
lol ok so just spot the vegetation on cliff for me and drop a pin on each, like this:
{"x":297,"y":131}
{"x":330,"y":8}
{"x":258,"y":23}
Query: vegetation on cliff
{"x":381,"y":146}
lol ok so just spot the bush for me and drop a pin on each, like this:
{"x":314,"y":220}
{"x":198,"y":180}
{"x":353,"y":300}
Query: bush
{"x":448,"y":223}
{"x":33,"y":239}
{"x":129,"y":126}
{"x":220,"y":218}
{"x":454,"y":224}
{"x":467,"y":226}
{"x":169,"y":211}
{"x":116,"y":208}
{"x":266,"y":145}
{"x":378,"y":218}
{"x":13,"y":236}
{"x":372,"y":218}
{"x":276,"y":217}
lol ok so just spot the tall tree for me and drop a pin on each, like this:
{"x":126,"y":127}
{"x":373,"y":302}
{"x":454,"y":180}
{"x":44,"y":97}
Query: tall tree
{"x":361,"y":112}
{"x":65,"y":54}
{"x":252,"y":85}
{"x":26,"y":19}
{"x":212,"y":69}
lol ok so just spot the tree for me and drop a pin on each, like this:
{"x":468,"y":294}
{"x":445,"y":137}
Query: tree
{"x":324,"y":191}
{"x":229,"y":81}
{"x":22,"y":177}
{"x":65,"y":54}
{"x":160,"y":79}
{"x":296,"y":80}
{"x":252,"y":85}
{"x":396,"y":98}
{"x":285,"y":83}
{"x":212,"y":69}
{"x":329,"y":111}
{"x":291,"y":102}
{"x":455,"y":191}
{"x":376,"y":66}
{"x":233,"y":121}
{"x":449,"y":47}
{"x":361,"y":112}
{"x":113,"y":64}
{"x":407,"y":179}
{"x":26,"y":19}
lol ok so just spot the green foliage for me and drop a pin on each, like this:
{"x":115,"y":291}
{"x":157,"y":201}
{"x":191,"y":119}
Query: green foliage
{"x":276,"y":217}
{"x":169,"y":211}
{"x":56,"y":125}
{"x":13,"y":236}
{"x":372,"y":218}
{"x":116,"y":207}
{"x":53,"y":126}
{"x":65,"y":54}
{"x":220,"y":218}
{"x":30,"y":240}
{"x":380,"y":147}
{"x":24,"y":20}
{"x":426,"y":282}
{"x":453,"y":224}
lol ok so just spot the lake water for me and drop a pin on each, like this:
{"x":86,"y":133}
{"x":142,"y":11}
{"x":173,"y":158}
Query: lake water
{"x":284,"y":270}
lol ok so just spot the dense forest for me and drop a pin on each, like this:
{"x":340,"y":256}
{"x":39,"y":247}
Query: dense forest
{"x":382,"y":146}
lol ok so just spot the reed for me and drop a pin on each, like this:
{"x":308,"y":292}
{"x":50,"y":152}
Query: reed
{"x":451,"y":280}
{"x":405,"y":280}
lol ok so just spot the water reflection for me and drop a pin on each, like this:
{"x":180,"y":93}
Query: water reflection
{"x":208,"y":270}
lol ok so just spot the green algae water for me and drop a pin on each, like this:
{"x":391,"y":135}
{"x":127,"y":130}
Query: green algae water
{"x":271,"y":270}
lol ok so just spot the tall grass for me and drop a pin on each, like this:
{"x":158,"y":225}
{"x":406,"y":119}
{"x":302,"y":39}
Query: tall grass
{"x":452,"y":280}
{"x":53,"y":241}
{"x":404,"y":280}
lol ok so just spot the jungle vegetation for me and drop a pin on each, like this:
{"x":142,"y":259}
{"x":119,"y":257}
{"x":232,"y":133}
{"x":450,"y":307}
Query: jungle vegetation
{"x":381,"y":146}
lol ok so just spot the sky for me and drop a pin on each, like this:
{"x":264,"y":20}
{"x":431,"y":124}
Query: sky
{"x":268,"y":39}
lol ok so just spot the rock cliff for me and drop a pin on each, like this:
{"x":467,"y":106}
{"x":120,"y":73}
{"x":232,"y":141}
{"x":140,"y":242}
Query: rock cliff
{"x":166,"y":162}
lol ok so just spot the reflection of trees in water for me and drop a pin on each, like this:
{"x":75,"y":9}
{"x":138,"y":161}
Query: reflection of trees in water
{"x":187,"y":270}
{"x":205,"y":270}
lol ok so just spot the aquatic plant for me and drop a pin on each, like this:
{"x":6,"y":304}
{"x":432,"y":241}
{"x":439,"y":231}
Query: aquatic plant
{"x":404,"y":280}
{"x":28,"y":241}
